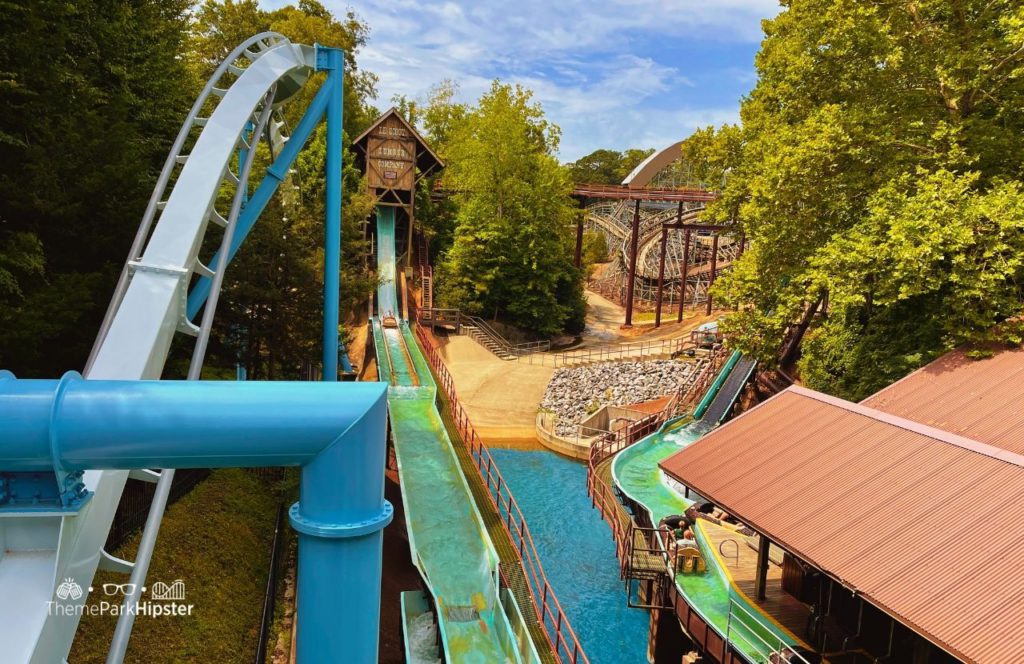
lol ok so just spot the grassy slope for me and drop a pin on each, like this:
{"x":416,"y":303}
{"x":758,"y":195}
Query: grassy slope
{"x":217,"y":540}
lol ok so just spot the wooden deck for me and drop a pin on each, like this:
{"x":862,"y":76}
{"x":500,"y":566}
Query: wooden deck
{"x":785,"y":609}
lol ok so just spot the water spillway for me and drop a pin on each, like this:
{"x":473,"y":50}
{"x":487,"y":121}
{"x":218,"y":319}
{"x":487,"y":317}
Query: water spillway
{"x":448,"y":541}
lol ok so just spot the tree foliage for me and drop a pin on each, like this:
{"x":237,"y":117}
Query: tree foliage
{"x":437,"y":118}
{"x":91,"y":95}
{"x":607,"y":166}
{"x":595,"y":249}
{"x":269,"y":318}
{"x":513,"y":241}
{"x":878,"y":162}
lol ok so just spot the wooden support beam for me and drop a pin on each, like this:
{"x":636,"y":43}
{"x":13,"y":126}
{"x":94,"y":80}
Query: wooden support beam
{"x":715,"y":228}
{"x":408,"y":246}
{"x":761,"y":580}
{"x":630,"y":285}
{"x":661,"y":277}
{"x":579,"y":243}
{"x":683,"y":272}
{"x":714,"y":267}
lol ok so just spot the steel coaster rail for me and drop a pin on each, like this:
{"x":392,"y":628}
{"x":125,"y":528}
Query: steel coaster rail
{"x":147,"y":310}
{"x":549,"y":611}
{"x":142,"y":318}
{"x":261,"y":42}
{"x":126,"y":620}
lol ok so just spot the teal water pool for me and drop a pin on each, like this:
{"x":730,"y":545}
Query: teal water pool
{"x":578,"y":554}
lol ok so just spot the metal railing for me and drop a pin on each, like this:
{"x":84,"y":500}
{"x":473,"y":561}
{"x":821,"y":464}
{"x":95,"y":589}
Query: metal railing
{"x":634,"y":350}
{"x":558,"y":631}
{"x":270,"y":595}
{"x":778,"y":647}
{"x":483,"y":332}
{"x":438,"y":316}
{"x":602,"y":495}
{"x":516,"y":350}
{"x":705,"y":376}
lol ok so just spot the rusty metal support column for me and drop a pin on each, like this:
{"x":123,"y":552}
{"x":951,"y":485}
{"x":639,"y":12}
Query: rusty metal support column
{"x":661,"y":277}
{"x":761,"y":578}
{"x":630,"y":285}
{"x":714,"y":266}
{"x":682,"y":274}
{"x":579,"y":243}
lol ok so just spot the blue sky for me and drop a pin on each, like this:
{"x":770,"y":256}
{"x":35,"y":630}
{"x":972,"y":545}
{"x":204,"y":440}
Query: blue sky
{"x":610,"y":73}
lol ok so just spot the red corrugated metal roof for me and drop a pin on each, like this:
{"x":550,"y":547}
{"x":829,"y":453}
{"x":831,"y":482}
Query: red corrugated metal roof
{"x":981,"y":399}
{"x":923,"y":523}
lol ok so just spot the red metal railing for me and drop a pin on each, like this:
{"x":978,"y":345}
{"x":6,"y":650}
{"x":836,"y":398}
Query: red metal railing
{"x":601,"y":494}
{"x":557,"y":629}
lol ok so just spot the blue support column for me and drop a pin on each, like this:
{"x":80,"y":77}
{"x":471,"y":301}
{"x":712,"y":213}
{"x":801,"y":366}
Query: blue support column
{"x":340,"y":521}
{"x":334,"y":63}
{"x":55,"y":430}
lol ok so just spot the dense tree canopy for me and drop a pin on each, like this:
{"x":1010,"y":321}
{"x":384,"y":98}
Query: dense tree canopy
{"x":878,"y":164}
{"x":91,"y":97}
{"x":270,"y":316}
{"x":606,"y":166}
{"x":513,"y":247}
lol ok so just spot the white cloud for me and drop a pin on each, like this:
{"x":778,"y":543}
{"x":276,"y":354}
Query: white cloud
{"x":589,"y":63}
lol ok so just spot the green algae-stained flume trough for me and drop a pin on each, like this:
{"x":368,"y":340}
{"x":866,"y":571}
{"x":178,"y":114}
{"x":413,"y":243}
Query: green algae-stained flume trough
{"x":635,"y":471}
{"x":448,"y":542}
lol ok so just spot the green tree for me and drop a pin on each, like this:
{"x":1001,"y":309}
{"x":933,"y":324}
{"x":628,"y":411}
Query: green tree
{"x":595,"y":250}
{"x":513,"y":249}
{"x":606,"y":166}
{"x":269,"y":317}
{"x":879,"y":165}
{"x":91,"y":96}
{"x":438,"y":119}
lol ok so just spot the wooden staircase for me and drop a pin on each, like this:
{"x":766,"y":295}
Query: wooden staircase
{"x":426,"y":273}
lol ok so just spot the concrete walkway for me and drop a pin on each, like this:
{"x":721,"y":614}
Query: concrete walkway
{"x":501,"y":397}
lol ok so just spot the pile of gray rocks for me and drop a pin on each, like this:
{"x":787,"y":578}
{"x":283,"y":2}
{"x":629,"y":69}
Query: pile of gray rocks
{"x":577,"y":392}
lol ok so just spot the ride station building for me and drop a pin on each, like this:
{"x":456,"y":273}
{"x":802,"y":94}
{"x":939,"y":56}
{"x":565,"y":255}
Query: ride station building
{"x":885,"y":531}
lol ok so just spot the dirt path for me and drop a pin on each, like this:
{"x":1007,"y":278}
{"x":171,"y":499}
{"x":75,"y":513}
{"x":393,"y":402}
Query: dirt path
{"x":604,"y":320}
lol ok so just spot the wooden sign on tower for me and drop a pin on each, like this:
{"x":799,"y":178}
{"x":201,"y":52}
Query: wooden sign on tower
{"x":394,"y":157}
